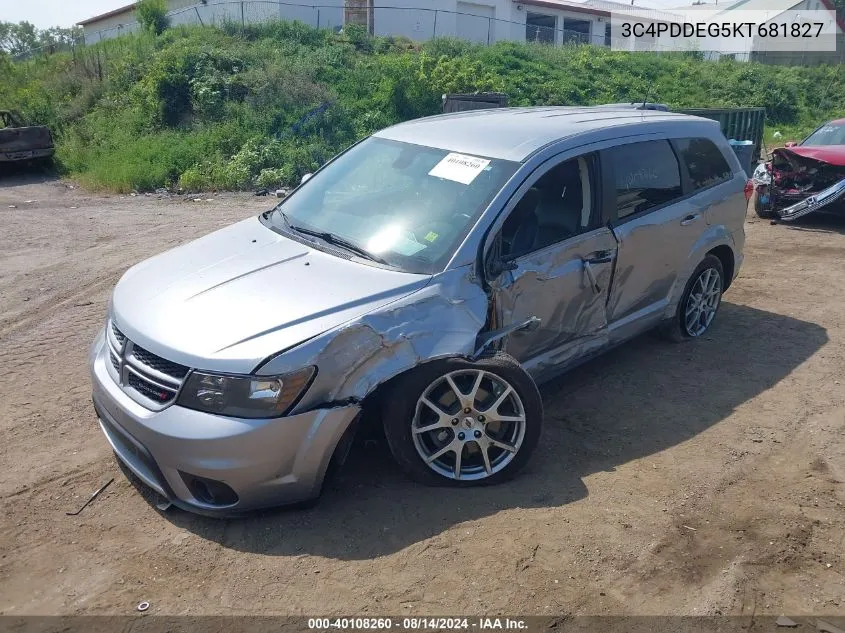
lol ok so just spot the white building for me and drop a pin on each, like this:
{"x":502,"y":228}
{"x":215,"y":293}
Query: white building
{"x":486,"y":21}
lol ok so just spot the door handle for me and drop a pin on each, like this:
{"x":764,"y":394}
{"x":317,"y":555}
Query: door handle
{"x":599,"y":257}
{"x":690,"y":219}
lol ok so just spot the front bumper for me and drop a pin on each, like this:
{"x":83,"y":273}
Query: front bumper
{"x":829,"y":200}
{"x":264,"y":462}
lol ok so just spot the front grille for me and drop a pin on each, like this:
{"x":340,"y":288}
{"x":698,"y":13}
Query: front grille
{"x":150,"y":390}
{"x":120,"y":336}
{"x":115,"y":361}
{"x":149,"y":379}
{"x":174,"y":370}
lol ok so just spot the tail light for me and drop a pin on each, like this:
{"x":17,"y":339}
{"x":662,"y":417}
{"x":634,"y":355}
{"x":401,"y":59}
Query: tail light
{"x":749,"y":189}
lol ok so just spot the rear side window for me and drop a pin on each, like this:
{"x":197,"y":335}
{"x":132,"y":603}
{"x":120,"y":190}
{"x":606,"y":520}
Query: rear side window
{"x":705,"y":163}
{"x":646,"y":175}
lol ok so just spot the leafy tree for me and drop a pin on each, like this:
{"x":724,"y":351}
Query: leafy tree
{"x":152,"y":14}
{"x":23,"y":39}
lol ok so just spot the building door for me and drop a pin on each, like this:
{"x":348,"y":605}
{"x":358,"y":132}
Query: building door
{"x":540,"y":27}
{"x":576,"y":31}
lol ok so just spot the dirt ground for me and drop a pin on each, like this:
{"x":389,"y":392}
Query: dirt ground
{"x":704,"y":478}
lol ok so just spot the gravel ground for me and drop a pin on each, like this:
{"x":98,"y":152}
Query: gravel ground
{"x":703,"y":478}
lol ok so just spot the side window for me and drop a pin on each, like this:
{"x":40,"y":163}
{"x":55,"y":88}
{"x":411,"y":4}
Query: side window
{"x":646,"y":175}
{"x":560,"y":205}
{"x":705,"y":162}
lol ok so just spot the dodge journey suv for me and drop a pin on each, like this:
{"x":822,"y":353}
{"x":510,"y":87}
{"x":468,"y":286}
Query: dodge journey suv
{"x":435,"y":273}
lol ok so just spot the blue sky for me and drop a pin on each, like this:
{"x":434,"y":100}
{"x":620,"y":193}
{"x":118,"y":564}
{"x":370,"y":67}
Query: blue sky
{"x":46,"y":13}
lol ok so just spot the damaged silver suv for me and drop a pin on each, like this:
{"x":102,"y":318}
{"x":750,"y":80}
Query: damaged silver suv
{"x":435,"y":272}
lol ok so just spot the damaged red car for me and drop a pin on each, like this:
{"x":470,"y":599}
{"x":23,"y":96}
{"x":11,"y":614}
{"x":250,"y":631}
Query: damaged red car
{"x":804,"y":178}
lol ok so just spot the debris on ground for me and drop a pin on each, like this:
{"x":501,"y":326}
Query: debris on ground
{"x":827,"y":627}
{"x":93,"y":496}
{"x":143,"y":606}
{"x":785,"y":621}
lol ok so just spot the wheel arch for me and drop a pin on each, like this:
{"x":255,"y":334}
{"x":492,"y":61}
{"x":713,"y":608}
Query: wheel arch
{"x":725,"y":254}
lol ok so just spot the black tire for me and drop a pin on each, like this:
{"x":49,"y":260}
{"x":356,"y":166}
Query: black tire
{"x":400,"y":407}
{"x":676,"y":329}
{"x":760,"y":209}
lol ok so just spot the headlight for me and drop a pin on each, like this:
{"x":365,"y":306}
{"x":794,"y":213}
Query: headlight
{"x":244,"y":396}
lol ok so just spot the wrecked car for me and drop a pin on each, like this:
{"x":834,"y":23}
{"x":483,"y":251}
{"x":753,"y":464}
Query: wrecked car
{"x":804,"y":178}
{"x":434,"y":273}
{"x":20,"y":142}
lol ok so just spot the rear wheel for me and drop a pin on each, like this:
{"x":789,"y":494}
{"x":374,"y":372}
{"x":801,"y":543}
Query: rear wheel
{"x":700,"y":301}
{"x":456,"y":422}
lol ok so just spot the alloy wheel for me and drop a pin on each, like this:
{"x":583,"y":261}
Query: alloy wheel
{"x":703,"y":302}
{"x":468,"y":424}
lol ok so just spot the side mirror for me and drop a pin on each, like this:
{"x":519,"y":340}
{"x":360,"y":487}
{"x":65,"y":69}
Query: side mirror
{"x":498,"y":266}
{"x":305,"y":178}
{"x":791,"y":144}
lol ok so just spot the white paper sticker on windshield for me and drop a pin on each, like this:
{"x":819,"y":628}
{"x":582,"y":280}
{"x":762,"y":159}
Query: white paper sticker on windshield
{"x":460,"y":168}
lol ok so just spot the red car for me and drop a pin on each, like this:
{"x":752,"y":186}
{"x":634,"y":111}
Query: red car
{"x":805,"y":177}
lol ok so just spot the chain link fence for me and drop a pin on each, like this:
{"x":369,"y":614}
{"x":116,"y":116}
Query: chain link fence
{"x":422,"y":24}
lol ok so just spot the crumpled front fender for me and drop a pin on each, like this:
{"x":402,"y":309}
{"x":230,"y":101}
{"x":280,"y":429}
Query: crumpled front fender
{"x":442,"y":320}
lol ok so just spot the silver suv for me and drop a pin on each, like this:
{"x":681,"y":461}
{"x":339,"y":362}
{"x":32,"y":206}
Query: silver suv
{"x":435,"y":273}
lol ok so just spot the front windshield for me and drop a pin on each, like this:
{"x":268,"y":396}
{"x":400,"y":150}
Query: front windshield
{"x":830,"y":134}
{"x":408,"y":205}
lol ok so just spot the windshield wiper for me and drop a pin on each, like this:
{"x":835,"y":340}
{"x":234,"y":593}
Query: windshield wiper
{"x":335,"y":240}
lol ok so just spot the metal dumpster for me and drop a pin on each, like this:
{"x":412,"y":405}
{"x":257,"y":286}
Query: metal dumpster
{"x":738,"y":123}
{"x":477,"y":101}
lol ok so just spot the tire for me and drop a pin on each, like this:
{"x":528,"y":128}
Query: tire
{"x":476,"y":433}
{"x":760,"y":209}
{"x":678,"y":329}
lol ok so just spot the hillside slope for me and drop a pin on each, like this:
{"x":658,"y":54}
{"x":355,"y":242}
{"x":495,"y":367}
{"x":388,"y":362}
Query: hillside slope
{"x":234,"y":108}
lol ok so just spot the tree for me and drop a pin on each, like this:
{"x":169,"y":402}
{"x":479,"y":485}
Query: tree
{"x":22,"y":39}
{"x":18,"y":39}
{"x":152,"y":14}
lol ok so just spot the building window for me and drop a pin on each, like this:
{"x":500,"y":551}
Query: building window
{"x":608,"y":36}
{"x":360,"y":12}
{"x":540,"y":28}
{"x":577,"y":31}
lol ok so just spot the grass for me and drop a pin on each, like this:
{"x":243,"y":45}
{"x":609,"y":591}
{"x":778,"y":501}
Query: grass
{"x":234,"y":108}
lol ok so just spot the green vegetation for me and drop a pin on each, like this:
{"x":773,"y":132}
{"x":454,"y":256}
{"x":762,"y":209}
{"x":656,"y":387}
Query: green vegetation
{"x":152,"y":14}
{"x":206,"y":108}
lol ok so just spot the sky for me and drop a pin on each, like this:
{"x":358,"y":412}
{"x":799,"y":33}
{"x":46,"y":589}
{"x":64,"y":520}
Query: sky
{"x":47,"y":13}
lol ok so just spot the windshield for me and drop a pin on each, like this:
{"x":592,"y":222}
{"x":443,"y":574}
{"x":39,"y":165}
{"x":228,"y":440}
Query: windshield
{"x":407,"y":205}
{"x":830,"y":134}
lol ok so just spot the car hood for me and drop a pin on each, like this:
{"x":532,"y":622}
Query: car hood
{"x":831,"y":154}
{"x":227,"y":301}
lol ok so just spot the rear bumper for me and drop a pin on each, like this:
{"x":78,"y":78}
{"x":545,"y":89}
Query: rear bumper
{"x":264,"y":462}
{"x":28,"y":154}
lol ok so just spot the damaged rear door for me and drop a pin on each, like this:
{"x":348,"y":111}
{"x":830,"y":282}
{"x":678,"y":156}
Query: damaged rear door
{"x":553,"y":261}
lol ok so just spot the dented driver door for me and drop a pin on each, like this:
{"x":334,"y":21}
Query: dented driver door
{"x":566,"y":287}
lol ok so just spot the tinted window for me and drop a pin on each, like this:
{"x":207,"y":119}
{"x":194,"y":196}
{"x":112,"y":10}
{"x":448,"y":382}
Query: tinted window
{"x":705,"y":162}
{"x":646,"y":176}
{"x":558,"y":206}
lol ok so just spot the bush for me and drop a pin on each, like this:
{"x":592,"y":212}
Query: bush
{"x":260,"y":105}
{"x":152,"y":14}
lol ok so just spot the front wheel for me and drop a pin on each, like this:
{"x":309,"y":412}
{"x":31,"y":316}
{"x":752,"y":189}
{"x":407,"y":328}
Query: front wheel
{"x":762,"y":204}
{"x":700,"y":301}
{"x":455,"y":422}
